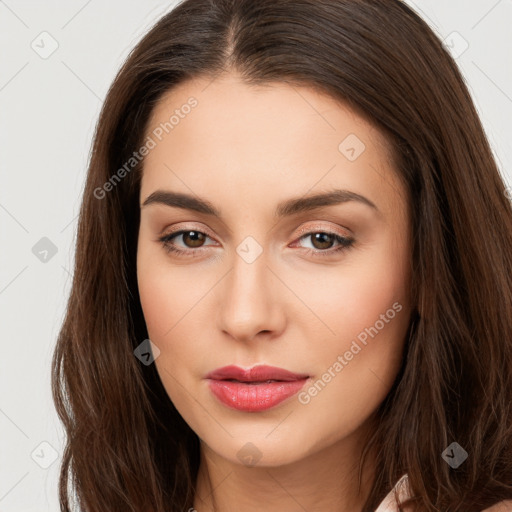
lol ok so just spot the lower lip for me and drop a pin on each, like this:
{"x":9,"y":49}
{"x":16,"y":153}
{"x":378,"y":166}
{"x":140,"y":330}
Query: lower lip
{"x":254,"y":397}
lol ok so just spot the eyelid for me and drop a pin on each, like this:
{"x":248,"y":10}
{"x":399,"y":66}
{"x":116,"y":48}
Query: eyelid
{"x":190,"y":227}
{"x":318,"y":228}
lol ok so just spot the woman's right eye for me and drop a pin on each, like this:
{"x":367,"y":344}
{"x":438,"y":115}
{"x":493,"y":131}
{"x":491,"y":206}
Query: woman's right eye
{"x":193,"y":237}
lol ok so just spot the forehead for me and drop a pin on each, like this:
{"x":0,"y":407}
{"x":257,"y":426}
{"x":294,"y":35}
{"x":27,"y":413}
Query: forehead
{"x":260,"y":110}
{"x":241,"y":136}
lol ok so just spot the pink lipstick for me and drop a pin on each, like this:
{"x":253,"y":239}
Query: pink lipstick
{"x":256,"y":389}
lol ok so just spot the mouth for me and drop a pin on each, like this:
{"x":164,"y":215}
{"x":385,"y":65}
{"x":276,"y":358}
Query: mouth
{"x":256,"y":389}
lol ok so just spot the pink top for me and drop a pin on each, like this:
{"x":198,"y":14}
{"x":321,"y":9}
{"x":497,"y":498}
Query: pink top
{"x":402,"y":486}
{"x":389,"y":504}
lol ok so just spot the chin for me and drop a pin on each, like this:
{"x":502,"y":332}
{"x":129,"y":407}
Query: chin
{"x":260,"y":451}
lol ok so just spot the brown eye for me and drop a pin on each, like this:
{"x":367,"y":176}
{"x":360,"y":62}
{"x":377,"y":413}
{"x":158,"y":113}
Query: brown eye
{"x":322,"y":240}
{"x":325,"y":244}
{"x":193,"y":238}
{"x":185,"y":242}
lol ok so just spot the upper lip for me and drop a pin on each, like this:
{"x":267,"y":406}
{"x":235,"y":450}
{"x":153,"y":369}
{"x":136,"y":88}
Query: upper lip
{"x":259,"y":373}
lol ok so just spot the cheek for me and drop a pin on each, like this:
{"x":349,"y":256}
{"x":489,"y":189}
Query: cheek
{"x":356,"y":367}
{"x":168,"y":295}
{"x":354,"y":298}
{"x":174,"y":312}
{"x":162,"y":308}
{"x":158,"y":304}
{"x":367,"y":311}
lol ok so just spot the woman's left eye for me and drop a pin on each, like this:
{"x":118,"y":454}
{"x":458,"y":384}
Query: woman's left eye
{"x":322,"y":242}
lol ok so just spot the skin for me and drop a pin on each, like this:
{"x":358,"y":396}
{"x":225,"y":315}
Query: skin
{"x":245,"y":149}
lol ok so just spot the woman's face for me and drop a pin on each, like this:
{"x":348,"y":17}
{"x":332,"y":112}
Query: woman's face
{"x":268,"y":275}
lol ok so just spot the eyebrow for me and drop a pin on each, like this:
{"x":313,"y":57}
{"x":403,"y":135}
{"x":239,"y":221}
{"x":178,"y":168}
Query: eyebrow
{"x":286,"y":208}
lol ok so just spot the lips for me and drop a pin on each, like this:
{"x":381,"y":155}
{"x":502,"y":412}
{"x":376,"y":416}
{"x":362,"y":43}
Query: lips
{"x":256,"y":389}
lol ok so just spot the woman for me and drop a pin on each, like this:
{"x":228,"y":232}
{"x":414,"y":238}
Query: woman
{"x":293,"y":285}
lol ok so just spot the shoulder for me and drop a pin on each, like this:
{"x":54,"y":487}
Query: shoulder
{"x":389,"y":503}
{"x":502,"y":506}
{"x":402,"y":487}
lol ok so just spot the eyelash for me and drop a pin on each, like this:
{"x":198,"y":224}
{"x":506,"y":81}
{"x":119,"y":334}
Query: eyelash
{"x":345,"y":243}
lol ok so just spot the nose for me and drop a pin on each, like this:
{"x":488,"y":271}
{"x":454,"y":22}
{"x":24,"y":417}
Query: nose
{"x":250,"y":305}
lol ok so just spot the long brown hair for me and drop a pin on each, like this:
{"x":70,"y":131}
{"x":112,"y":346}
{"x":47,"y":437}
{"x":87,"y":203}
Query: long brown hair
{"x":127,"y":446}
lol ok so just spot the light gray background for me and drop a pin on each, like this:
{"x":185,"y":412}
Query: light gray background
{"x":49,"y":107}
